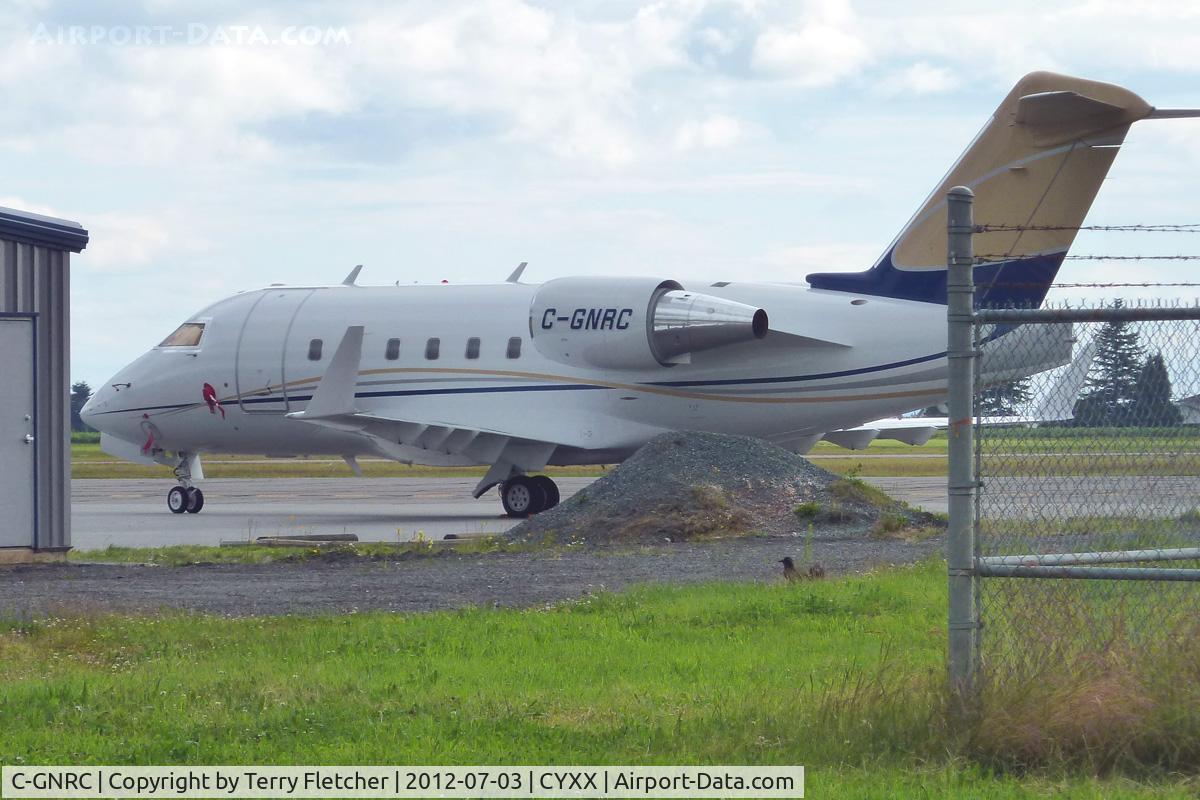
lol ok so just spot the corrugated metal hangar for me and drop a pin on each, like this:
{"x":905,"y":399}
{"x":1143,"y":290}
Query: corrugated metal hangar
{"x":35,"y":412}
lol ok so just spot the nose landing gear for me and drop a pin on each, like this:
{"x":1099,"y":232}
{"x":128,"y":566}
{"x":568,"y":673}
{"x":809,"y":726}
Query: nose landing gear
{"x":185,"y":497}
{"x":524,"y":496}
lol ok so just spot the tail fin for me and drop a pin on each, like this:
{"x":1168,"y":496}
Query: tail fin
{"x":1038,"y":162}
{"x":1059,"y":401}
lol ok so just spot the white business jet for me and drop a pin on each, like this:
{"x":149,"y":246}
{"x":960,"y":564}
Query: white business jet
{"x":585,"y":370}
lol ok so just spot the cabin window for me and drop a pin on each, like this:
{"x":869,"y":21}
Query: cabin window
{"x":473,"y":347}
{"x":186,"y":335}
{"x":514,"y":347}
{"x":314,"y":349}
{"x":392,"y":352}
{"x":433,"y":348}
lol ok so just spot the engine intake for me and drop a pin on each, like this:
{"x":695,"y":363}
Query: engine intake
{"x":635,"y":323}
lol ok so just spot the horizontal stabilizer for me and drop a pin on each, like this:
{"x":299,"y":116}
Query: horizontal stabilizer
{"x":1055,"y":108}
{"x":1174,"y":113}
{"x":1060,"y":116}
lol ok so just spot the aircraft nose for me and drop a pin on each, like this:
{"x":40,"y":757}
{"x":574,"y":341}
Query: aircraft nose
{"x":91,"y":411}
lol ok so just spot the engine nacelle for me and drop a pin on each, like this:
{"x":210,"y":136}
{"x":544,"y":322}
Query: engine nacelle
{"x":634,"y":323}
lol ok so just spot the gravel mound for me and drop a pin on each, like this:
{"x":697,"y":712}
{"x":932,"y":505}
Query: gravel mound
{"x":689,"y":486}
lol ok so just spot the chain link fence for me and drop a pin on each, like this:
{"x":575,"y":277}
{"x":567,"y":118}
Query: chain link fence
{"x":1087,"y":512}
{"x":1073,"y":547}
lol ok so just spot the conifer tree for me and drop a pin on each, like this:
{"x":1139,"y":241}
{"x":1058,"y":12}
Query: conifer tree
{"x":1152,"y":406}
{"x":1111,"y":388}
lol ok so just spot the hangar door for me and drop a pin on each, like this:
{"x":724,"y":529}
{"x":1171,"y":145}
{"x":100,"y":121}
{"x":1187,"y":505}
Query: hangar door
{"x":17,"y":452}
{"x":261,"y":382}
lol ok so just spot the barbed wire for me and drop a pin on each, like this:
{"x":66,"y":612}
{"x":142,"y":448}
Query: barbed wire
{"x":1190,"y":227}
{"x":1146,"y":285}
{"x":981,"y":285}
{"x":996,"y":258}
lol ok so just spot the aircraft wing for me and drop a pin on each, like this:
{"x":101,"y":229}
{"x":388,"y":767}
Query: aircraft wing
{"x":454,"y":430}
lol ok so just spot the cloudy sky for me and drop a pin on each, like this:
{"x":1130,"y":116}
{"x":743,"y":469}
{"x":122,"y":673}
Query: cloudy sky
{"x":210,"y":148}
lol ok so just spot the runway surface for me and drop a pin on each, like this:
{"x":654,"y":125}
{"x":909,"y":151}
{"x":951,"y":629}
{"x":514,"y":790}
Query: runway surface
{"x":134,"y":513}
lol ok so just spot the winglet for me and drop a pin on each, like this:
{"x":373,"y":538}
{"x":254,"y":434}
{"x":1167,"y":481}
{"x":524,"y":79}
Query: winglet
{"x":353,"y":276}
{"x":516,"y":274}
{"x":334,"y":396}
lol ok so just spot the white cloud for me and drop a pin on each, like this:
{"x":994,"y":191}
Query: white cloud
{"x":122,"y":243}
{"x":822,"y":49}
{"x":21,"y":204}
{"x":117,"y":242}
{"x":556,"y":82}
{"x":921,"y":78}
{"x":712,"y":132}
{"x":717,"y":40}
{"x":167,"y":104}
{"x":996,"y":43}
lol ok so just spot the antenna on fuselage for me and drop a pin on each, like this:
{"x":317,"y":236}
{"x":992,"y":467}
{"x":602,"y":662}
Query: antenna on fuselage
{"x":516,"y":273}
{"x":353,"y":276}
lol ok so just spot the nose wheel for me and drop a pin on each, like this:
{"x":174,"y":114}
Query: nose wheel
{"x":185,"y":499}
{"x":524,"y":496}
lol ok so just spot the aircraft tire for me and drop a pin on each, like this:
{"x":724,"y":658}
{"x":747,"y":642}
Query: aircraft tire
{"x":177,"y":500}
{"x":195,"y":500}
{"x":550,"y":488}
{"x":522,"y":496}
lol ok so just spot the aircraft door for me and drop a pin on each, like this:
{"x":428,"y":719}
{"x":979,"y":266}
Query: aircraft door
{"x":261,"y":382}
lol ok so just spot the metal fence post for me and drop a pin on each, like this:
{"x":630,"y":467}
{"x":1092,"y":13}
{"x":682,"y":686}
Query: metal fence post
{"x":960,"y":354}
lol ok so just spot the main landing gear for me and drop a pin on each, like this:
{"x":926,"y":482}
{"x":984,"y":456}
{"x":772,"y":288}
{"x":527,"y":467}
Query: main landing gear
{"x":524,"y":495}
{"x":184,"y":497}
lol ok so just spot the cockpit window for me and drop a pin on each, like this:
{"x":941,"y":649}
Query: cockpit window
{"x":186,"y":335}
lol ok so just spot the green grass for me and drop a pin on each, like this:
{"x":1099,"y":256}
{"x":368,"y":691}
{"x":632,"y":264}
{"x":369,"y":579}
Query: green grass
{"x":852,"y":489}
{"x":185,"y":554}
{"x":841,"y":676}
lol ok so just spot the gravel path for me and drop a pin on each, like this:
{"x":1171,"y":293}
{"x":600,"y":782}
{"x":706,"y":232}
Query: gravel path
{"x":445,"y":580}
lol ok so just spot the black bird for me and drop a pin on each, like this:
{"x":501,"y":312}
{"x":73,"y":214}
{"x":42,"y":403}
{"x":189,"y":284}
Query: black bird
{"x":789,"y":569}
{"x":814,"y":571}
